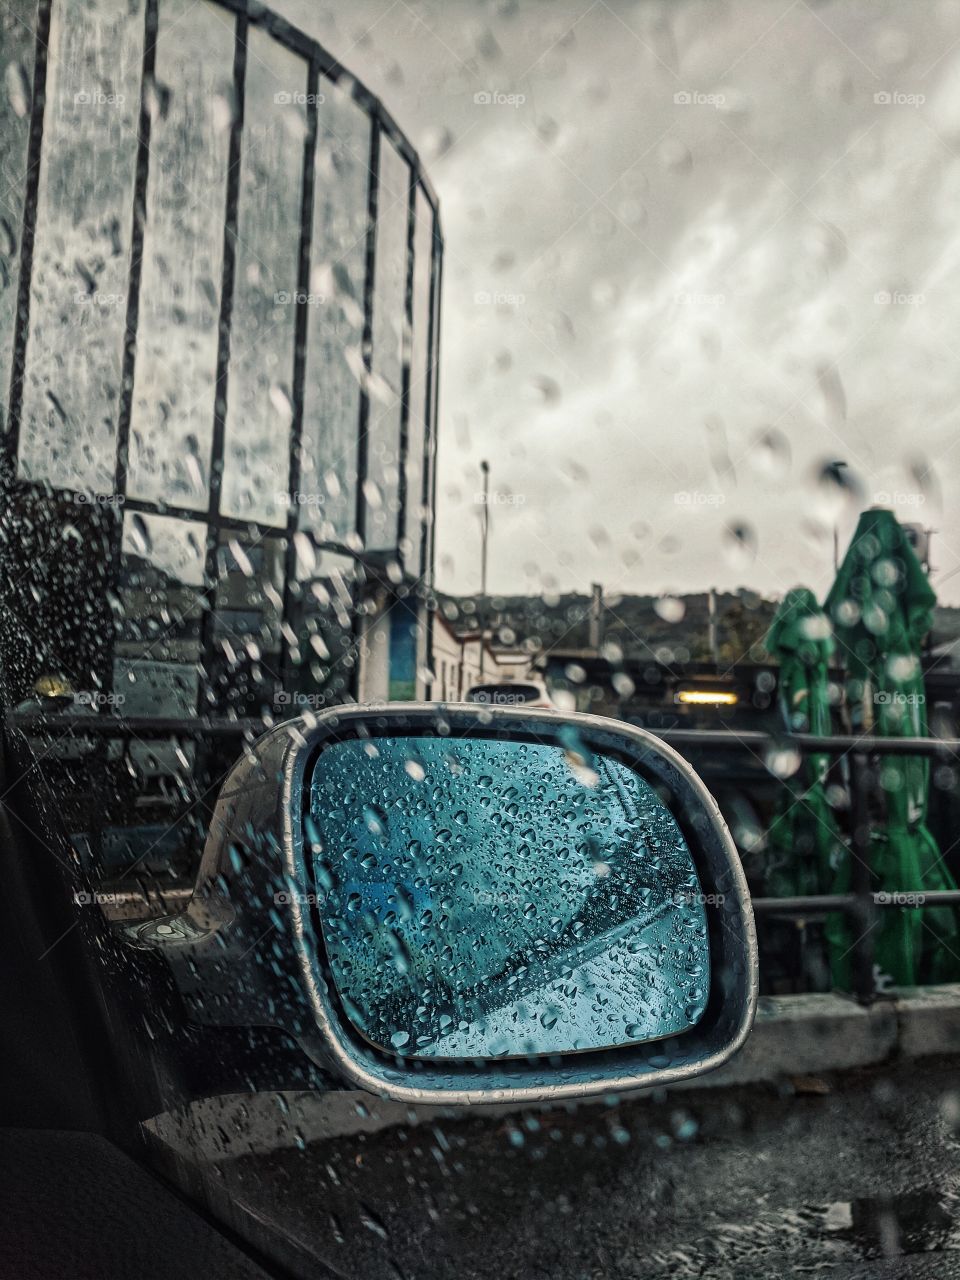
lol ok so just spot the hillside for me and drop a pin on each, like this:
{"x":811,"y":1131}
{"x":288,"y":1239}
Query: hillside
{"x":641,"y":626}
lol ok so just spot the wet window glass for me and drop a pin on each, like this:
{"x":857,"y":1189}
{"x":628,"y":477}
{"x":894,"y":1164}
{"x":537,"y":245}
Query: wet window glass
{"x":19,"y":42}
{"x":79,"y":280}
{"x":245,"y":671}
{"x":323,"y":617}
{"x":256,"y":460}
{"x":326,"y":501}
{"x":483,"y":898}
{"x":527,"y":355}
{"x":139,"y":822}
{"x":382,"y":489}
{"x":157,"y":651}
{"x":191,"y":102}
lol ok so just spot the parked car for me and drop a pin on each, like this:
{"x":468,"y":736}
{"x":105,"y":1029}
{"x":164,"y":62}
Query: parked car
{"x":529,"y":693}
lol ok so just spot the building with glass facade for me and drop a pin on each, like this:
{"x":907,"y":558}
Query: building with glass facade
{"x":219,"y":299}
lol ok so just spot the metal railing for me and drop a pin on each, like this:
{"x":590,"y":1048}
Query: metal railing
{"x":863,"y":903}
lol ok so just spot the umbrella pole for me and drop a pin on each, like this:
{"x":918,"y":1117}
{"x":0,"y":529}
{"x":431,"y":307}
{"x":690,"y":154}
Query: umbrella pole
{"x":863,"y":981}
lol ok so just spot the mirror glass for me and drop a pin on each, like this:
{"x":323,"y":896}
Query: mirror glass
{"x":482,"y":898}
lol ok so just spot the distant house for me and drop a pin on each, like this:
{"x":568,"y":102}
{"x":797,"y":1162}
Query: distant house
{"x":465,"y":658}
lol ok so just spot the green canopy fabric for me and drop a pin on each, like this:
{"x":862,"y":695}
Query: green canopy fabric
{"x":881,"y":605}
{"x":804,"y":847}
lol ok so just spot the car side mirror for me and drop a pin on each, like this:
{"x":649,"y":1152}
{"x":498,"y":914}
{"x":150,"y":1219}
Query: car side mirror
{"x":457,"y":904}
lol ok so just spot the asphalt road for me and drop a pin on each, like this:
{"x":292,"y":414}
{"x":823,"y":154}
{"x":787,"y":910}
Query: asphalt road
{"x":859,"y":1182}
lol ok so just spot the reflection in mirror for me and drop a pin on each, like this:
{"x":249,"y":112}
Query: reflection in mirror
{"x":481,"y":898}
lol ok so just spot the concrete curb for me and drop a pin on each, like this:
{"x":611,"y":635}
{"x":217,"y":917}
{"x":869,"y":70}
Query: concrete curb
{"x":928,"y":1020}
{"x":816,"y":1033}
{"x":813,"y":1033}
{"x":799,"y":1035}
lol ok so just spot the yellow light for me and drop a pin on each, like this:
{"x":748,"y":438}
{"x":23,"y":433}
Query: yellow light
{"x":53,"y":686}
{"x":707,"y":697}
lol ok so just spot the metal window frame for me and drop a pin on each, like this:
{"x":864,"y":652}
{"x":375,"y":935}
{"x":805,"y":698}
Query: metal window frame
{"x":319,"y":65}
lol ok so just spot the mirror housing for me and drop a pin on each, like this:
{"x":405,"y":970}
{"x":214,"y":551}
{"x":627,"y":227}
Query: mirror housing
{"x":250,"y":949}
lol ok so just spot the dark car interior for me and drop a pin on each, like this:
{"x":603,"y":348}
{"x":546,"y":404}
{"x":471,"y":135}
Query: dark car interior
{"x":79,"y":1198}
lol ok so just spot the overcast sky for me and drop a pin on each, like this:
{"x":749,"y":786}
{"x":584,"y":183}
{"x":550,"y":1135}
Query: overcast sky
{"x":693,"y":251}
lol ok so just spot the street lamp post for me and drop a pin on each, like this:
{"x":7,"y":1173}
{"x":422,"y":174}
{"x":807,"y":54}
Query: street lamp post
{"x":484,"y":535}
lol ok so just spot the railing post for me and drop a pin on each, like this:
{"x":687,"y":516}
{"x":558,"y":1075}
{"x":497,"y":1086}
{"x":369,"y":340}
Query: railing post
{"x":861,"y":881}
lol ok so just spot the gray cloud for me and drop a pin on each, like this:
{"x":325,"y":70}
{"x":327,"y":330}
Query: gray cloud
{"x":677,"y":231}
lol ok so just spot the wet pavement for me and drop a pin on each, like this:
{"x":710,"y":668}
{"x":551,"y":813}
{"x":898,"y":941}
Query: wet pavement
{"x":861,"y":1180}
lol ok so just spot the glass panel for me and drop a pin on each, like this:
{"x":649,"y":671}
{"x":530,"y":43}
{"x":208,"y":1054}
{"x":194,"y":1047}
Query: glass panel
{"x":245,"y":664}
{"x":414,"y":464}
{"x":383,"y":443}
{"x":18,"y":52}
{"x":327,"y":501}
{"x":145,"y":816}
{"x":484,"y":898}
{"x":256,"y":462}
{"x":78,"y":289}
{"x":323,"y":653}
{"x":157,"y":652}
{"x":405,"y":631}
{"x":175,"y":380}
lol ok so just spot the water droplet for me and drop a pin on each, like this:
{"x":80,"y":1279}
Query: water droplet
{"x":770,"y":454}
{"x":669,"y":608}
{"x":138,"y":533}
{"x":282,"y":406}
{"x":782,"y":761}
{"x":740,"y":544}
{"x":223,"y":109}
{"x":832,"y":393}
{"x":436,"y":142}
{"x":623,"y":686}
{"x":18,"y":88}
{"x":375,"y":820}
{"x":903,"y":666}
{"x":546,"y":391}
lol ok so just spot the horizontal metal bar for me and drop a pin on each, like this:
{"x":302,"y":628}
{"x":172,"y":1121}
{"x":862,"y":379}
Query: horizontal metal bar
{"x":756,"y":740}
{"x":143,"y":726}
{"x":292,"y":38}
{"x":804,"y":904}
{"x":900,"y":899}
{"x":808,"y":744}
{"x":254,"y":528}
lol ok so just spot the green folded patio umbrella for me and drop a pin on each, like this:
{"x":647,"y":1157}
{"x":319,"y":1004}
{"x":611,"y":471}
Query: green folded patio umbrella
{"x":803,"y":847}
{"x":881,"y":605}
